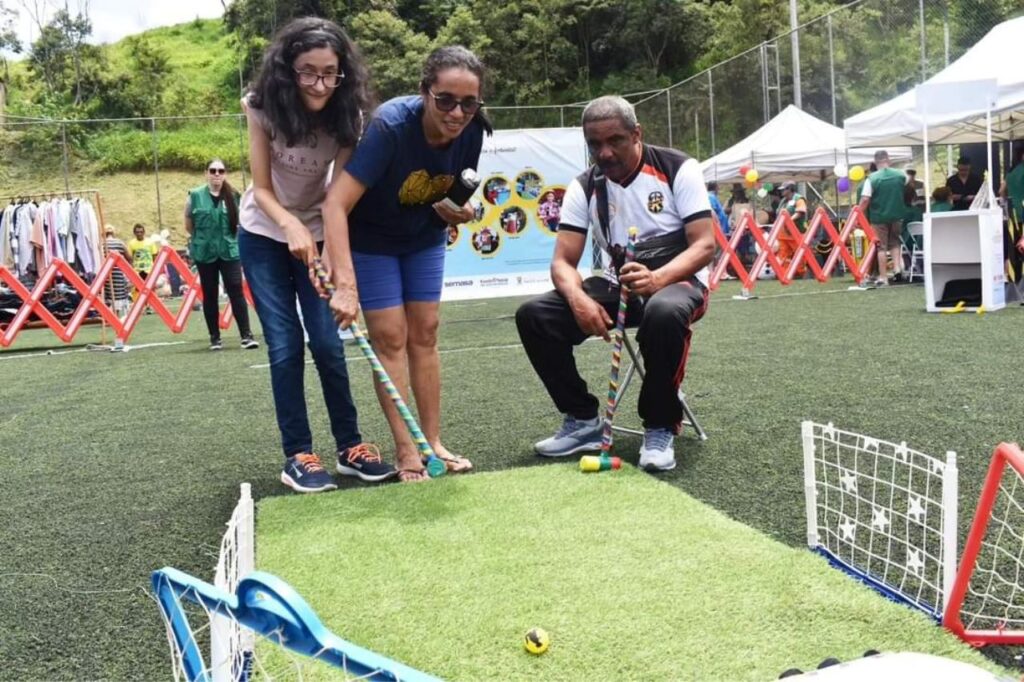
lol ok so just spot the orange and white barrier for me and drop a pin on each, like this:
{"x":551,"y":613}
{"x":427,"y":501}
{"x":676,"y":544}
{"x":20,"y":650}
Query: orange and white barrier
{"x":93,"y":299}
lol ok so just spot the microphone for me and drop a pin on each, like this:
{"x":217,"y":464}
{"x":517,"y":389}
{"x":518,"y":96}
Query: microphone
{"x":461,"y":190}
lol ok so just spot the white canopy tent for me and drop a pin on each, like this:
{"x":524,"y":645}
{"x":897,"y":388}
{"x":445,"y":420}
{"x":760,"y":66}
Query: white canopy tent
{"x":977,"y":98}
{"x":900,"y":121}
{"x":792,"y":146}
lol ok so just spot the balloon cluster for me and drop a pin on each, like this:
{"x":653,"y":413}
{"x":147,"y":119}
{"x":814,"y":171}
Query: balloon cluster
{"x":847,"y":176}
{"x":750,"y":180}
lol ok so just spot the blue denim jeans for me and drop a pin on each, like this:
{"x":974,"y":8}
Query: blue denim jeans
{"x":276,"y":279}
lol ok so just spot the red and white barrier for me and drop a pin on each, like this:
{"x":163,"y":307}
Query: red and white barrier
{"x":92,"y":298}
{"x":803,"y":254}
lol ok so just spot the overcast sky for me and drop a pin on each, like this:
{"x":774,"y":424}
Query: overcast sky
{"x":115,"y":19}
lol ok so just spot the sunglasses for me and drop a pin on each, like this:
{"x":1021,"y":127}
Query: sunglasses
{"x":446,"y":102}
{"x":216,"y":171}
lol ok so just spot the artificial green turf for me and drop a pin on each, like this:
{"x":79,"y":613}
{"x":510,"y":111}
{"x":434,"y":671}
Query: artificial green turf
{"x":114,"y":465}
{"x":631,"y":578}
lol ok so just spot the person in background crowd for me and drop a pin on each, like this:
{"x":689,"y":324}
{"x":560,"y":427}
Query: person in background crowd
{"x":882,"y":201}
{"x":964,"y":185}
{"x":736,"y":207}
{"x":141,"y":252}
{"x":795,"y":205}
{"x":1012,"y":190}
{"x":116,"y":292}
{"x":913,"y":199}
{"x":211,"y":221}
{"x":717,"y":208}
{"x":305,"y":113}
{"x":941,"y":200}
{"x":915,"y":190}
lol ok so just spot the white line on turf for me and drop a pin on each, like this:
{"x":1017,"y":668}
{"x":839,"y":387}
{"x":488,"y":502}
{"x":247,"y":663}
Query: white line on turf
{"x":359,"y":356}
{"x":86,"y":350}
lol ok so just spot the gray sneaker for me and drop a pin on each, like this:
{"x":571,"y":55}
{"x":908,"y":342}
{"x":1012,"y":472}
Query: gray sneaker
{"x":657,"y":454}
{"x":576,"y":435}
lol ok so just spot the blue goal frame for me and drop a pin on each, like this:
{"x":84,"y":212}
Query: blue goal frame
{"x":271,"y":607}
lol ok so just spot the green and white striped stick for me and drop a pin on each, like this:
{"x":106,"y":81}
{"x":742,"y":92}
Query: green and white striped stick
{"x":435,"y":465}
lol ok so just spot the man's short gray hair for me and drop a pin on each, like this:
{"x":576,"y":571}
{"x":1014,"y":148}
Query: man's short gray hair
{"x":881,"y":155}
{"x":610,"y":106}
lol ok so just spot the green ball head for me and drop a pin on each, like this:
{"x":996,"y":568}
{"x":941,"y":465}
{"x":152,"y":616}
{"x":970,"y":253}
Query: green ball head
{"x":435,"y":467}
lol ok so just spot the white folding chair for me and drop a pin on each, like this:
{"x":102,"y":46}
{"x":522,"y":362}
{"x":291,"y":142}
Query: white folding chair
{"x":916,"y":230}
{"x":636,"y":367}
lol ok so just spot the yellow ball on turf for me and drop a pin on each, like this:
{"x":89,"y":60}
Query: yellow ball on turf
{"x":536,"y":641}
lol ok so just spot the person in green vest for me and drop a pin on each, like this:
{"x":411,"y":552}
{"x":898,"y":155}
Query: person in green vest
{"x":211,"y":221}
{"x":882,"y":201}
{"x":941,"y":200}
{"x":1012,"y":190}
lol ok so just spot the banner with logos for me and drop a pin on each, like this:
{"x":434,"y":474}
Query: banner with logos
{"x":506,"y":250}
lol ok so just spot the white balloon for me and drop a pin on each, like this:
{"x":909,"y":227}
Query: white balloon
{"x":840,"y":170}
{"x":762,"y":193}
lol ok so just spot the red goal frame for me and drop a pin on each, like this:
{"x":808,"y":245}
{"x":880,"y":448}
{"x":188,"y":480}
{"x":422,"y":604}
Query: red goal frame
{"x":1005,"y":454}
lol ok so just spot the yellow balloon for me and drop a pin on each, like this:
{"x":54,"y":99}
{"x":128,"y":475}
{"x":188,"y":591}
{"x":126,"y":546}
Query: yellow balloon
{"x":857,"y":173}
{"x":751,"y":176}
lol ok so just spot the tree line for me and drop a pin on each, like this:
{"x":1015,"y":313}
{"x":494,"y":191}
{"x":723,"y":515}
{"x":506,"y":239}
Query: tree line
{"x":537,"y":51}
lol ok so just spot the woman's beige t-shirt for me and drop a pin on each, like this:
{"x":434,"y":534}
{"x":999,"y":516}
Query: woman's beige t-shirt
{"x":299,"y":176}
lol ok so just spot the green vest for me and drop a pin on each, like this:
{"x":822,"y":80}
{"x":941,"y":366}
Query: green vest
{"x":1015,"y":190}
{"x":790,"y":208}
{"x":887,"y":205}
{"x":211,"y":234}
{"x":941,"y":207}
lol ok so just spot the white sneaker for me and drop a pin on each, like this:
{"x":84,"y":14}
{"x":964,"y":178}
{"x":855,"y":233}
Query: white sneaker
{"x":657,"y":454}
{"x":576,"y":435}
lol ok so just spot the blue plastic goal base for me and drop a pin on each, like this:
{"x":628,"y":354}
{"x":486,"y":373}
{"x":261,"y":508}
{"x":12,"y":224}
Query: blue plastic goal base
{"x":270,"y":607}
{"x":933,"y":612}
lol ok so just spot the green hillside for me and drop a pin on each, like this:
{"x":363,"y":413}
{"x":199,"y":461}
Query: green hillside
{"x":202,"y":54}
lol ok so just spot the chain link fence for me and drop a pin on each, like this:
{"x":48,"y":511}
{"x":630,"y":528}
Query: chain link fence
{"x":850,"y":59}
{"x":163,"y":157}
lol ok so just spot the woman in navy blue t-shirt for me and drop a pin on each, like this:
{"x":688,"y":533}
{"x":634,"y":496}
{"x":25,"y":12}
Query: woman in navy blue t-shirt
{"x":385,"y":229}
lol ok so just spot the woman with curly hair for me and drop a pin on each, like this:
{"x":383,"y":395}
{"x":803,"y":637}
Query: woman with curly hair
{"x":305,"y":112}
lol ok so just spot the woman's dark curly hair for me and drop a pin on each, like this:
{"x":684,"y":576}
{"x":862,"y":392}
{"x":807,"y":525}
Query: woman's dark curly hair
{"x":276,"y":88}
{"x":455,"y":57}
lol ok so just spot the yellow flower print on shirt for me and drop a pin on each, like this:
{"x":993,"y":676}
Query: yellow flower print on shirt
{"x":419,"y":188}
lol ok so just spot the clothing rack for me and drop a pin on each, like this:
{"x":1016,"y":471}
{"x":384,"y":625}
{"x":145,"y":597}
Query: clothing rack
{"x":45,"y":196}
{"x":97,"y":202}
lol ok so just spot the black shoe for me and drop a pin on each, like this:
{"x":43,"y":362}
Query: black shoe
{"x":304,"y":473}
{"x":216,"y":344}
{"x":364,"y":462}
{"x":249,"y":343}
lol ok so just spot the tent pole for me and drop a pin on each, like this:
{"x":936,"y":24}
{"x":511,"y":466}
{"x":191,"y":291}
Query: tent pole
{"x":927,"y":170}
{"x":988,"y":151}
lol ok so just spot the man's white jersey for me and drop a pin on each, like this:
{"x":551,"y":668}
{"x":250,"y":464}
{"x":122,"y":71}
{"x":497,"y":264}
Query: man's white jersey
{"x":665,"y":193}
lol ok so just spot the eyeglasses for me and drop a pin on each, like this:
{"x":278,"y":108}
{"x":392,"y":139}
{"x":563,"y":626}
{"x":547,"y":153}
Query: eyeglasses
{"x":216,"y":171}
{"x":308,"y":78}
{"x":446,"y":102}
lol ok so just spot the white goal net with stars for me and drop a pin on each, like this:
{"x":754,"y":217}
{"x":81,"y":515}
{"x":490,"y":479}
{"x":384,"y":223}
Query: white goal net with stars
{"x":882,"y":512}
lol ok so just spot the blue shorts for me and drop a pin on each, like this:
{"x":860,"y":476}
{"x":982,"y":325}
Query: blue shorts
{"x":388,"y":281}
